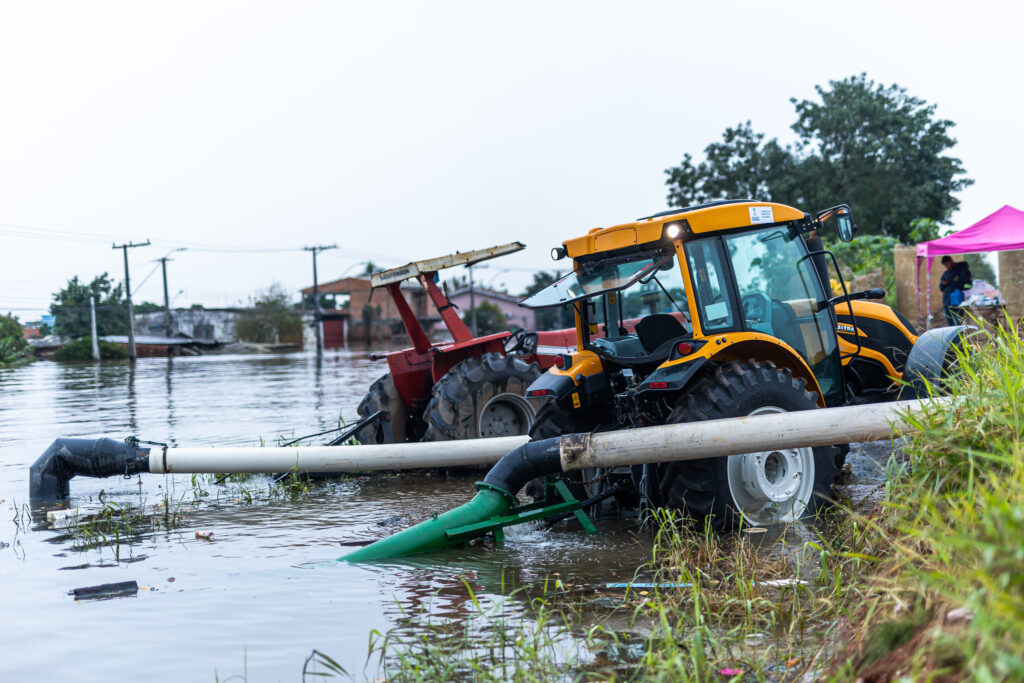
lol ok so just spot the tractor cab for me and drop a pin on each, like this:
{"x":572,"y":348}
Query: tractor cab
{"x":659,"y":299}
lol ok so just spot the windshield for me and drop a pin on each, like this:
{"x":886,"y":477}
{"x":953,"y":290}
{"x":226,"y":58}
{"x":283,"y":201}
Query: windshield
{"x":596,"y":277}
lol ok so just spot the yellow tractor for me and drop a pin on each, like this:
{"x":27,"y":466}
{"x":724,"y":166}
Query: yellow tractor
{"x":713,"y":311}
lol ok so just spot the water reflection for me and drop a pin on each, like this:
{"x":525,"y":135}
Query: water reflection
{"x":169,"y":388}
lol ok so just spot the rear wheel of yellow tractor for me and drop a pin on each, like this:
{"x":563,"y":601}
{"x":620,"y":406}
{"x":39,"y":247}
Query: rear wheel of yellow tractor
{"x":480,"y":398}
{"x":771,"y":487}
{"x":383,"y":396}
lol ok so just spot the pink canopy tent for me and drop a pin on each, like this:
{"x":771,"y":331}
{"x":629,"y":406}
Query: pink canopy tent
{"x":1000,"y":231}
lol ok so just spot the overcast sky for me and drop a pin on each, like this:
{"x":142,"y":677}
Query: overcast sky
{"x":403,"y":131}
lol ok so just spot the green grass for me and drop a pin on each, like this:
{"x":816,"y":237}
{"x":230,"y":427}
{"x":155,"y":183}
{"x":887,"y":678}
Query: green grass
{"x":950,"y":537}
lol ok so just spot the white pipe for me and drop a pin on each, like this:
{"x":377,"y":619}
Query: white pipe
{"x":402,"y":456}
{"x":687,"y":441}
{"x":732,"y":436}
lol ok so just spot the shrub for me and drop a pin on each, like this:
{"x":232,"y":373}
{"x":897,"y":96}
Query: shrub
{"x":271,"y":319}
{"x":81,"y":349}
{"x":11,"y":355}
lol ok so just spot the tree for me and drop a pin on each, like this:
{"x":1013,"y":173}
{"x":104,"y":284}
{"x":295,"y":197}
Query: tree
{"x":874,"y":147}
{"x":146,"y":307}
{"x":11,"y":328}
{"x":489,"y":319}
{"x":271,"y":318}
{"x":71,"y":308}
{"x":741,"y":166}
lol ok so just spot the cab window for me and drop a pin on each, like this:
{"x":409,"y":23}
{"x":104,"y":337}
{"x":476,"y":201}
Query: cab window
{"x":780,"y":295}
{"x":714,"y":304}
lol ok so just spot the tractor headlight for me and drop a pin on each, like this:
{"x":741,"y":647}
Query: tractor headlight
{"x":673,"y":230}
{"x":558,"y":253}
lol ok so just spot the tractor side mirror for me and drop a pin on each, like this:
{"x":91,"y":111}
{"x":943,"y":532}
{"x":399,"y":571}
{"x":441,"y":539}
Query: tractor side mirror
{"x":844,"y":225}
{"x":844,"y":221}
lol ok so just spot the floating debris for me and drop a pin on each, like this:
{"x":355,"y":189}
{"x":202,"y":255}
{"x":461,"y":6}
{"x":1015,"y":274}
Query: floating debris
{"x":204,"y":535}
{"x":122,"y":589}
{"x":639,"y":585}
{"x":636,"y":585}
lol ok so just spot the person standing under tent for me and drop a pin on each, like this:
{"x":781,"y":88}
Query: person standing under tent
{"x":952,"y":284}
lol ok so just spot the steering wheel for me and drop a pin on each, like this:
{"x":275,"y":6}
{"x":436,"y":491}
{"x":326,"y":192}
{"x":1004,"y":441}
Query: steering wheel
{"x":756,"y":307}
{"x":521,"y":341}
{"x":515,"y":339}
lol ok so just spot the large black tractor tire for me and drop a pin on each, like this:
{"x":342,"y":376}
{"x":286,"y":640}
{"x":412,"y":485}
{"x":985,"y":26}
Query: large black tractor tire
{"x":773,"y":487}
{"x":933,"y":360}
{"x":482,"y":397}
{"x":383,"y":396}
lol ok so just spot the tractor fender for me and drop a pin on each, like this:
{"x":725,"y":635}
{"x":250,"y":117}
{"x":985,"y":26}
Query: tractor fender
{"x":772,"y":349}
{"x":673,"y":378}
{"x":928,"y":356}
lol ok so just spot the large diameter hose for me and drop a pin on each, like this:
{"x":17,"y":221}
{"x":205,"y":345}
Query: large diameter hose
{"x":496,"y":494}
{"x":66,"y":458}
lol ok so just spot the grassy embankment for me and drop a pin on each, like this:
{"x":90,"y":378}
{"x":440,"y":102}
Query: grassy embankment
{"x":928,"y":586}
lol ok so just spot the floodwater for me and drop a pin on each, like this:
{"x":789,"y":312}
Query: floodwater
{"x":257,"y":599}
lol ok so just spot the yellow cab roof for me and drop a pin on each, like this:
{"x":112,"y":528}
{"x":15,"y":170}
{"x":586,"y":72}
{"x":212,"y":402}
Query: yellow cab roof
{"x":707,"y":218}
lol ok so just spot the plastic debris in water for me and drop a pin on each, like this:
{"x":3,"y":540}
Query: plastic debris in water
{"x":731,"y":672}
{"x":637,"y":584}
{"x":205,"y":535}
{"x":121,"y":589}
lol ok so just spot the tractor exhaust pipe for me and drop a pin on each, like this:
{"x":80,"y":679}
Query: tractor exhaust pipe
{"x":689,"y":441}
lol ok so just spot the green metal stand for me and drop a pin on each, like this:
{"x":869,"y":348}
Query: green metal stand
{"x":557,"y":499}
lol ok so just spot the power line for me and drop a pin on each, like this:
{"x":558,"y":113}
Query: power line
{"x":99,"y":238}
{"x":55,"y":235}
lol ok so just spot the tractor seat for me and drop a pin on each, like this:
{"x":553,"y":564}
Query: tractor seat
{"x":656,"y":329}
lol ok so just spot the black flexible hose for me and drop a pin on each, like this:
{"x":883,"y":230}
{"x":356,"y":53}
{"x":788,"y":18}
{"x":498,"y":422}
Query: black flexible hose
{"x":66,"y":458}
{"x":529,"y":461}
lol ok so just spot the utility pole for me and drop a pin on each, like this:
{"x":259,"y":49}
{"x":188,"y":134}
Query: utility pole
{"x":167,"y":302}
{"x":472,"y":303}
{"x":317,"y":311}
{"x":128,"y":293}
{"x":92,"y":320}
{"x":167,"y":299}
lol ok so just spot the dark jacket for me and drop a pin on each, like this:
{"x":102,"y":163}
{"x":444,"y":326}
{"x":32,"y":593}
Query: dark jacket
{"x":955,"y":278}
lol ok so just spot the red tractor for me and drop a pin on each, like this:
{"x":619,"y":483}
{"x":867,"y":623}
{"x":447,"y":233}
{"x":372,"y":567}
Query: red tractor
{"x":470,"y":387}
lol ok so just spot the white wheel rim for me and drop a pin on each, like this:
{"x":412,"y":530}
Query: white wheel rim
{"x":772,"y":487}
{"x":505,"y":415}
